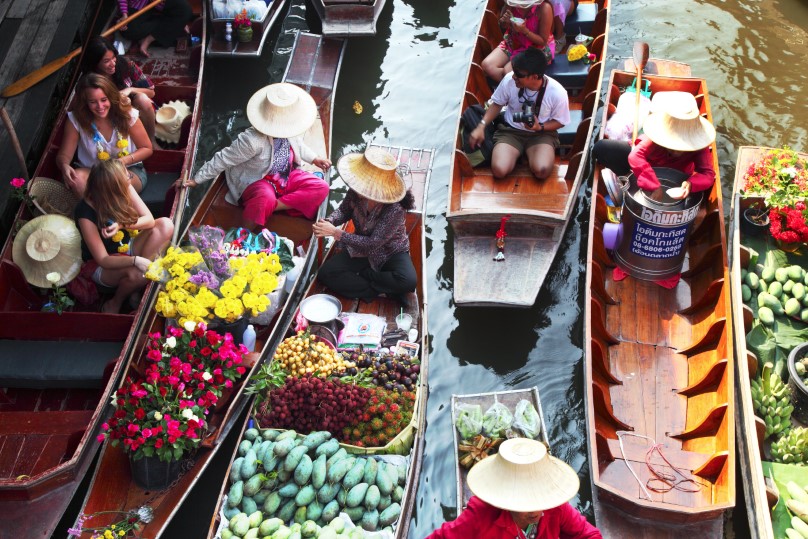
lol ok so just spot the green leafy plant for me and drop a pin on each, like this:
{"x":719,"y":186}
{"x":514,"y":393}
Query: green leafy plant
{"x":268,"y":377}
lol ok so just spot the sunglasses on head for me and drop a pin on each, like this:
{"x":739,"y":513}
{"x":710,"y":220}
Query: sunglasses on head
{"x":518,"y":75}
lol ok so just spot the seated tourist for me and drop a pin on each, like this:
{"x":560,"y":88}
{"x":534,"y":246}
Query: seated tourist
{"x":527,"y":24}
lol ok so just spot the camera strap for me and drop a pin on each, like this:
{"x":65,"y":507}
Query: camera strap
{"x":540,"y":97}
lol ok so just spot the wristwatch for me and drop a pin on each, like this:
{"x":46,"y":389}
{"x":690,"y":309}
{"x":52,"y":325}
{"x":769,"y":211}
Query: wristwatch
{"x":541,"y":124}
{"x":482,"y":122}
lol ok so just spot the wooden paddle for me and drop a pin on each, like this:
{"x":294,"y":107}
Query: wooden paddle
{"x":48,"y":69}
{"x":183,"y":197}
{"x":640,"y":59}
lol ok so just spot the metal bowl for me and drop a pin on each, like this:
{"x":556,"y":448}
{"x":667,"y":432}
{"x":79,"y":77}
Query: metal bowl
{"x":320,"y":308}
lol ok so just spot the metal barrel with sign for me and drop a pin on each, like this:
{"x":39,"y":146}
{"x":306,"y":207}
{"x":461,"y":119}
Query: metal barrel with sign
{"x":655,"y":228}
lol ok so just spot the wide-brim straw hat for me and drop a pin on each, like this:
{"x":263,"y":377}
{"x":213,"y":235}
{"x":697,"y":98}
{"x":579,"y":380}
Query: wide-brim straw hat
{"x":281,"y":110}
{"x":523,"y":477}
{"x":51,"y":196}
{"x":523,"y":3}
{"x":676,"y":124}
{"x":46,"y":244}
{"x":168,"y":120}
{"x":373,"y":175}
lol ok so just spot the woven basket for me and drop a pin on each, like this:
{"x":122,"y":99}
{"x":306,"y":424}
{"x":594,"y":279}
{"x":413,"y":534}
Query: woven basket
{"x":52,"y":197}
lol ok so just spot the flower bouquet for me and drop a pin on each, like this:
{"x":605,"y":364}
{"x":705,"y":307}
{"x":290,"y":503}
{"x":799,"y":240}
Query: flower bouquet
{"x":162,"y":413}
{"x":203,"y":284}
{"x":780,"y":177}
{"x":243,"y":26}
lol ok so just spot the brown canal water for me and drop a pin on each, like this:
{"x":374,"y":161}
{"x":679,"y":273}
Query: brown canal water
{"x":409,"y":79}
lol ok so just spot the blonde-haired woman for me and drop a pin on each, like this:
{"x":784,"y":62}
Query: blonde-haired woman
{"x":119,"y":234}
{"x":102,"y":127}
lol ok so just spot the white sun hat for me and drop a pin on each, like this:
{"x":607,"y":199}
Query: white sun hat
{"x":523,"y":477}
{"x":47,"y":244}
{"x":676,"y":123}
{"x":281,"y":110}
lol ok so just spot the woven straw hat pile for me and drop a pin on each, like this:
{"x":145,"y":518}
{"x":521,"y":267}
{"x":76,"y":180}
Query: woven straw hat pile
{"x":51,"y":196}
{"x":46,"y":244}
{"x":522,"y":477}
{"x":373,"y":175}
{"x":281,"y":110}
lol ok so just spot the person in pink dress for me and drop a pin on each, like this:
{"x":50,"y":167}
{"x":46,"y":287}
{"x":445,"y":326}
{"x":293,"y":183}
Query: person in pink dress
{"x":527,"y":23}
{"x":262,"y":164}
{"x":520,"y":493}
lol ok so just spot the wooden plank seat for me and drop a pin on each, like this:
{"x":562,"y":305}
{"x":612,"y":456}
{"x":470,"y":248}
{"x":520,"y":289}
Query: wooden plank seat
{"x":566,"y":135}
{"x":571,"y":75}
{"x":156,"y":191}
{"x":582,"y":20}
{"x":55,"y":364}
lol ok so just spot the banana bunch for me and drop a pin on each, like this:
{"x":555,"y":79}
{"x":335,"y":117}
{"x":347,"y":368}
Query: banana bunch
{"x":772,"y":401}
{"x":792,"y":448}
{"x":798,"y":505}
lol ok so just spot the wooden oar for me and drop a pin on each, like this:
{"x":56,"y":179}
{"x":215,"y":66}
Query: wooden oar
{"x":183,"y":196}
{"x":640,"y":59}
{"x":48,"y":69}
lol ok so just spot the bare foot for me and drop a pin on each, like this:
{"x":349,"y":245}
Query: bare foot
{"x":144,"y":51}
{"x":109,"y":308}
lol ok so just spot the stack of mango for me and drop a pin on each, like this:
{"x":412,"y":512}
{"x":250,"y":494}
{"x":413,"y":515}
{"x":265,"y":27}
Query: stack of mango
{"x":780,"y":290}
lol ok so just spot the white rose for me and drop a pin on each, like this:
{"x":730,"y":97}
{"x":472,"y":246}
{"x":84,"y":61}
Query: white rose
{"x":114,"y":399}
{"x":189,"y":325}
{"x":171,"y":342}
{"x":789,"y":171}
{"x":158,"y":416}
{"x":206,"y":376}
{"x":187,"y":413}
{"x":53,"y":277}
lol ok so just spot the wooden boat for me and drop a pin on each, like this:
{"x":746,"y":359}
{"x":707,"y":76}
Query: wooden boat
{"x":751,"y":429}
{"x":659,"y":371}
{"x":539,"y":210}
{"x":50,"y":411}
{"x":416,"y":168}
{"x":485,"y":400}
{"x":348,"y":18}
{"x":220,"y":46}
{"x":314,"y":65}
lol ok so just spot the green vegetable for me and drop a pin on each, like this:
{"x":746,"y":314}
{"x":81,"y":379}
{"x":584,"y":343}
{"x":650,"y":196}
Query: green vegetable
{"x":243,"y":447}
{"x":328,"y":448}
{"x":384,"y":503}
{"x":282,"y":533}
{"x":236,"y":494}
{"x":497,"y":419}
{"x":398,"y":494}
{"x":300,"y":515}
{"x":526,"y":419}
{"x":766,"y":316}
{"x":370,"y":520}
{"x":286,"y":435}
{"x":781,"y":274}
{"x":287,"y":511}
{"x":390,"y":515}
{"x":330,"y":511}
{"x":327,"y":533}
{"x":342,"y":497}
{"x":798,"y":291}
{"x":804,"y":315}
{"x":230,"y":512}
{"x":356,"y":495}
{"x":235,"y":470}
{"x":340,"y":454}
{"x":261,"y":496}
{"x":792,"y":307}
{"x":251,"y":434}
{"x":775,"y":289}
{"x":240,"y":524}
{"x":283,"y":475}
{"x":309,"y":529}
{"x":469,"y":422}
{"x":284,"y":446}
{"x":752,"y":280}
{"x":315,"y":439}
{"x":304,"y":470}
{"x":337,"y":524}
{"x":318,"y":472}
{"x":293,"y":458}
{"x":314,"y":510}
{"x":796,"y":273}
{"x":788,"y":286}
{"x":383,"y":480}
{"x":272,"y":503}
{"x":226,"y":534}
{"x":270,"y":526}
{"x":305,"y":496}
{"x":289,"y":490}
{"x":269,"y":434}
{"x":248,"y":505}
{"x":371,"y":467}
{"x":255,"y":519}
{"x":328,"y":492}
{"x":250,"y":464}
{"x":354,"y":513}
{"x":253,"y":485}
{"x":354,"y":476}
{"x":252,"y":534}
{"x":767,"y":274}
{"x":338,"y":470}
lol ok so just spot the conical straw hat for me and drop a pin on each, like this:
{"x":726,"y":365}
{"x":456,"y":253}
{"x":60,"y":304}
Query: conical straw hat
{"x":373,"y":175}
{"x":47,"y":244}
{"x":522,"y":477}
{"x":676,"y":124}
{"x":281,"y":110}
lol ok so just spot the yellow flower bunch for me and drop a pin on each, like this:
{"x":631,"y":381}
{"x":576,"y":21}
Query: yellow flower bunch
{"x":229,"y":309}
{"x":255,"y":303}
{"x":102,"y":155}
{"x":576,"y":52}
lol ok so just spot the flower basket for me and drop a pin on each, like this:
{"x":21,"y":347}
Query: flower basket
{"x":151,"y":473}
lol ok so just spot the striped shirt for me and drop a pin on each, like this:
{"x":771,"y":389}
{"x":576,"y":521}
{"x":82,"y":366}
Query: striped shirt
{"x":135,"y":5}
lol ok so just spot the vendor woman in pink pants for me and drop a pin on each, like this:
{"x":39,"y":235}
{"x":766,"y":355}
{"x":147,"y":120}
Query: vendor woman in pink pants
{"x":261,"y":166}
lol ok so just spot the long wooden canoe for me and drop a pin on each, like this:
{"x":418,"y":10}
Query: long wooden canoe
{"x":659,"y":371}
{"x":751,"y":429}
{"x":416,"y":167}
{"x":348,"y":18}
{"x":218,"y":44}
{"x":315,"y":64}
{"x":485,"y":400}
{"x":539,"y":210}
{"x":59,"y":370}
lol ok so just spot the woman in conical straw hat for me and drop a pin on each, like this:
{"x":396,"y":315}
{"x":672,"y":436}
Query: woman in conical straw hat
{"x":520,"y":493}
{"x":119,"y":235}
{"x":261,"y":166}
{"x":375,"y":258}
{"x":675,"y":136}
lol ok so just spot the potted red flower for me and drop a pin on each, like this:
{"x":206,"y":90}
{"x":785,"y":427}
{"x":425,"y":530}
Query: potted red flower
{"x":161,"y":416}
{"x":243,"y":26}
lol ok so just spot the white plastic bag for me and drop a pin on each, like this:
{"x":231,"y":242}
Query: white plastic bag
{"x":256,"y":9}
{"x":621,"y":124}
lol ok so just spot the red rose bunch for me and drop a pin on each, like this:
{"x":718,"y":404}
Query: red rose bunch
{"x":163,"y":412}
{"x":242,"y":20}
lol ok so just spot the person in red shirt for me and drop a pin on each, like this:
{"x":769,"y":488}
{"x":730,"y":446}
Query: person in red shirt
{"x":675,"y":136}
{"x":520,"y":493}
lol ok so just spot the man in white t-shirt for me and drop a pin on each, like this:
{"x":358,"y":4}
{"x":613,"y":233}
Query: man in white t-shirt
{"x":536,"y":106}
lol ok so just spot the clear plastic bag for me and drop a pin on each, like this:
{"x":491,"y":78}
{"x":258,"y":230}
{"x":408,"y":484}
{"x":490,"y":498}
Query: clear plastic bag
{"x":526,"y":419}
{"x":497,"y":420}
{"x":469,"y":422}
